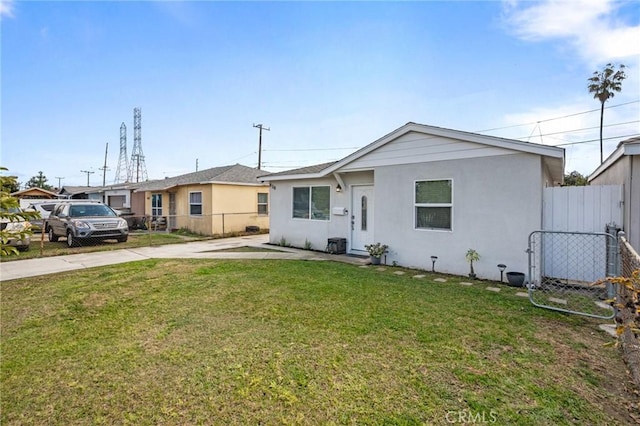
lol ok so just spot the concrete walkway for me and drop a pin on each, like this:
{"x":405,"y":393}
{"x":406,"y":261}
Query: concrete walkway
{"x":209,"y":249}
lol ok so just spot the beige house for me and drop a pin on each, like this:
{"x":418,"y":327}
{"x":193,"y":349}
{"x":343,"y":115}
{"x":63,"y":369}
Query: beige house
{"x":215,"y":201}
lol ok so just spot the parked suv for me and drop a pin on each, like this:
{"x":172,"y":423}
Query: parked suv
{"x":86,"y":221}
{"x":45,"y":207}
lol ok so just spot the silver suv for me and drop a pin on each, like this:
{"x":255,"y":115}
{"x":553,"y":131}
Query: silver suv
{"x":86,"y":222}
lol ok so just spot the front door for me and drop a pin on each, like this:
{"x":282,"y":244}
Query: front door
{"x":361,"y":217}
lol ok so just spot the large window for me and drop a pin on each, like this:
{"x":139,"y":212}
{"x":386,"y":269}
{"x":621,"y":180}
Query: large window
{"x":195,"y":203}
{"x":433,"y":204}
{"x":311,"y":202}
{"x":263,"y":203}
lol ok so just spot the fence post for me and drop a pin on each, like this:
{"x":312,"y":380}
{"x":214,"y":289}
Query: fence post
{"x":149,"y":229}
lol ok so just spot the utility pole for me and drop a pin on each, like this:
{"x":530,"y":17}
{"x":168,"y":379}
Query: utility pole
{"x":104,"y":168}
{"x":260,"y":126}
{"x":88,"y":173}
{"x":196,"y":164}
{"x":59,"y":179}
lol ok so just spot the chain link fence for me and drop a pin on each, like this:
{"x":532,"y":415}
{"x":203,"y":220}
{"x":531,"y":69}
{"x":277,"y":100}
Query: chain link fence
{"x":628,"y":304}
{"x":564,"y":268}
{"x":130,"y":230}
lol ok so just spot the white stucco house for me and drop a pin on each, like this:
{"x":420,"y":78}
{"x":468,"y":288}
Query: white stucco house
{"x":424,"y":191}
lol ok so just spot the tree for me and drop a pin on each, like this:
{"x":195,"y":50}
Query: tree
{"x":11,"y":185}
{"x":10,"y":214}
{"x":575,"y":179}
{"x":39,"y":181}
{"x":604,"y":85}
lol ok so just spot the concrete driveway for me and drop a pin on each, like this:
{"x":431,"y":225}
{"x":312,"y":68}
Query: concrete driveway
{"x":209,"y":249}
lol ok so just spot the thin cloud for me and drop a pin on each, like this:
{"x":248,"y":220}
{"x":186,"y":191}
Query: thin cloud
{"x":591,"y":28}
{"x":6,"y":8}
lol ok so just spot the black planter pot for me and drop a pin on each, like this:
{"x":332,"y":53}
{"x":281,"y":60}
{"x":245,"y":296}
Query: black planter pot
{"x":515,"y":279}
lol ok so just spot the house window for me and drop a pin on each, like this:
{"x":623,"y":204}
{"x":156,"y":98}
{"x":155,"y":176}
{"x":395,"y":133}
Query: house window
{"x":363,"y":213}
{"x":156,"y":205}
{"x":195,"y":203}
{"x":311,"y":202}
{"x":263,"y":203}
{"x":433,"y":204}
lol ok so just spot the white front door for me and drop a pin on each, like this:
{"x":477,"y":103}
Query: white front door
{"x":361,"y":217}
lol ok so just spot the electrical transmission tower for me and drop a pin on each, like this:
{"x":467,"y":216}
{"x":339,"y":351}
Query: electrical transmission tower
{"x":137,"y":168}
{"x":123,"y":166}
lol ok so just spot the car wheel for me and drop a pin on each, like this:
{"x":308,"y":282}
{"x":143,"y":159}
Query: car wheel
{"x":71,"y":242}
{"x":52,"y":237}
{"x":23,"y":248}
{"x":123,"y":239}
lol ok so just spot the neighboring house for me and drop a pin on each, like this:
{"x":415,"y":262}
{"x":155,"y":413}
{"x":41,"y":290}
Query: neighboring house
{"x":622,"y":167}
{"x":35,"y":193}
{"x":29,"y":195}
{"x":78,"y":192}
{"x":120,"y":196}
{"x":213,"y":201}
{"x":424,"y":191}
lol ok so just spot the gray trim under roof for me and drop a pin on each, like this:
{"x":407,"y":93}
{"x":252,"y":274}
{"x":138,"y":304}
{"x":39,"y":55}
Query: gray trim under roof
{"x":316,"y":168}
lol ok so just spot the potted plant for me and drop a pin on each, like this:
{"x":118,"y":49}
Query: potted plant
{"x":515,"y":279}
{"x":376,"y":251}
{"x":472,"y":256}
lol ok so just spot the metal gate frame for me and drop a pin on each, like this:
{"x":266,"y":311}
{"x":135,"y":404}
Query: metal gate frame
{"x":567,"y":272}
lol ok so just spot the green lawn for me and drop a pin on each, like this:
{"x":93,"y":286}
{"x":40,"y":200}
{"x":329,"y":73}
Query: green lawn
{"x":295,"y":342}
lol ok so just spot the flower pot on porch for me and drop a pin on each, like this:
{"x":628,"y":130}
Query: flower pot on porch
{"x":375,"y":260}
{"x":515,"y":279}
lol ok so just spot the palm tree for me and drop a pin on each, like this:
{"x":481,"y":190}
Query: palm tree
{"x":603,"y":85}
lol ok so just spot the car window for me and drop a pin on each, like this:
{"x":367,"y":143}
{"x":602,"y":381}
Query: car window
{"x":90,"y":210}
{"x":10,"y":210}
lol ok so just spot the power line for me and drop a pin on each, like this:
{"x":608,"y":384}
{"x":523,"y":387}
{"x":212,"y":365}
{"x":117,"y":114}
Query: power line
{"x":597,"y":140}
{"x":312,"y":149}
{"x":558,"y":118}
{"x":582,"y":130}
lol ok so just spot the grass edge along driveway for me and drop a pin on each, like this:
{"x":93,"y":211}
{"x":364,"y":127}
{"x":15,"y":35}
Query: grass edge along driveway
{"x":295,"y":342}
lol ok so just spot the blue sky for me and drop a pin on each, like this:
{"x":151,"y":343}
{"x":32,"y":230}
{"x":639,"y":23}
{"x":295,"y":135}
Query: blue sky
{"x":325,"y":77}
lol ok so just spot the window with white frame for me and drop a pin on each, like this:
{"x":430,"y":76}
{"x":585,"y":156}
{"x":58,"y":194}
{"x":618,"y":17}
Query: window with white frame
{"x":156,"y":205}
{"x":263,"y":203}
{"x":311,"y":202}
{"x":195,"y":203}
{"x":434,"y":204}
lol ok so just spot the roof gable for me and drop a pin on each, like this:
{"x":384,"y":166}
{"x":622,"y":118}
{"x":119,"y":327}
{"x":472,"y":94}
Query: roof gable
{"x":626,"y":147}
{"x":34,"y":191}
{"x":413,"y":143}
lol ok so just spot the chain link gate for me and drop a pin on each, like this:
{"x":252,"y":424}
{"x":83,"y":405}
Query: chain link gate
{"x":563,"y":269}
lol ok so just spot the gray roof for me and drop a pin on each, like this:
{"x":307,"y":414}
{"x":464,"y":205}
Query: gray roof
{"x":304,"y":170}
{"x":236,"y":173}
{"x":72,"y":190}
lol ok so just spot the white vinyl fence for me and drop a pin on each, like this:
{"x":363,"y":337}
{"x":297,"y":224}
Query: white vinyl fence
{"x":580,"y":209}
